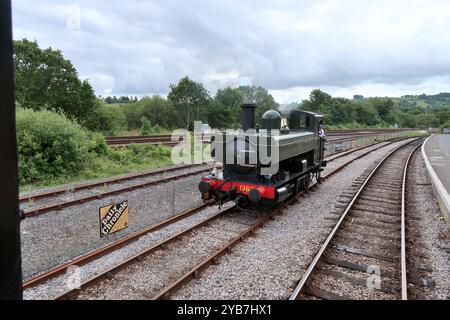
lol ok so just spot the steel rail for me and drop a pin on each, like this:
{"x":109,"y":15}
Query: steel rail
{"x":194,"y":272}
{"x":133,"y":237}
{"x":95,"y":254}
{"x":403,"y":229}
{"x":338,"y":155}
{"x":140,"y":255}
{"x":48,"y":194}
{"x":302,"y":283}
{"x":40,"y":210}
{"x":33,"y":281}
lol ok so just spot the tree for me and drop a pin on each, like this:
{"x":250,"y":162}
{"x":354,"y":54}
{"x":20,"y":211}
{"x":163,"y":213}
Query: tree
{"x":108,"y":100}
{"x":44,"y":79}
{"x":366,"y":114}
{"x":385,"y":109}
{"x":227,"y":100}
{"x":109,"y":119}
{"x":124,"y":99}
{"x":190,"y":98}
{"x":317,"y":101}
{"x":260,"y":96}
{"x":427,"y":120}
{"x":221,"y":116}
{"x":341,"y":111}
{"x":161,"y":112}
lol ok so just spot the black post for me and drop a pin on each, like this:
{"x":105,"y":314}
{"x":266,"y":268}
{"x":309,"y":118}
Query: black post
{"x":10,"y":261}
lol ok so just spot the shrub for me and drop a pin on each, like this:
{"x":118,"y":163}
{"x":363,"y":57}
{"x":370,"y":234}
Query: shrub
{"x":146,"y":126}
{"x":98,"y":144}
{"x":49,"y":145}
{"x":108,"y":119}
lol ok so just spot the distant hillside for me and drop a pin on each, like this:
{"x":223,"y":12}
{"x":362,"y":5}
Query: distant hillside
{"x":437,"y":101}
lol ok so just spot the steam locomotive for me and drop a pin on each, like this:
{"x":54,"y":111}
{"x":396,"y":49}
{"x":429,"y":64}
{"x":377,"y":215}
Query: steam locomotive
{"x":261,"y":167}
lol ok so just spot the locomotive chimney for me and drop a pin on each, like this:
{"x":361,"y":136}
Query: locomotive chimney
{"x":248,"y":116}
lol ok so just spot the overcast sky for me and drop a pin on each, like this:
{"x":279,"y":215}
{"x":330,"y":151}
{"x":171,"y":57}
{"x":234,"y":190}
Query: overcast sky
{"x":134,"y":47}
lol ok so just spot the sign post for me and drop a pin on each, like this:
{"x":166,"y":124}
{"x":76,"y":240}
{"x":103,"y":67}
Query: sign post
{"x":113,"y":218}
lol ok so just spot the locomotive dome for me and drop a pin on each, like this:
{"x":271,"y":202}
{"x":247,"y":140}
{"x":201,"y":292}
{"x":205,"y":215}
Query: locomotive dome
{"x":271,"y":120}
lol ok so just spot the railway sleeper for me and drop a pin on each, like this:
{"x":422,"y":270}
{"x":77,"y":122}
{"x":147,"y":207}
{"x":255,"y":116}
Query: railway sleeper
{"x":386,"y":288}
{"x":370,"y":234}
{"x":363,"y":253}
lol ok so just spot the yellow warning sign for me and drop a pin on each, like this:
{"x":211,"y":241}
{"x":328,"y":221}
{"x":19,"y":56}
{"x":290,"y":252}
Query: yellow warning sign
{"x":113,"y":218}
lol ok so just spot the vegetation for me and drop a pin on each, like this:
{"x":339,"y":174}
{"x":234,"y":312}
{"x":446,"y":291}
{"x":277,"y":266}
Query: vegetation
{"x":53,"y":149}
{"x":49,"y":145}
{"x":409,"y":112}
{"x":45,"y":80}
{"x":61,"y":124}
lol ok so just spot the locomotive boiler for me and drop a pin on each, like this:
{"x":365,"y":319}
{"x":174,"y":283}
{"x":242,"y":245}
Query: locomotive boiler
{"x":264,"y":164}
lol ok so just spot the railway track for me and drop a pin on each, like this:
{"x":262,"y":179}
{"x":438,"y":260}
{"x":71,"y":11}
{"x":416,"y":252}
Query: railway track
{"x":84,"y":259}
{"x":335,"y":135}
{"x":36,"y":209}
{"x":364,"y":256}
{"x":57,"y":270}
{"x":192,"y":271}
{"x":96,"y":254}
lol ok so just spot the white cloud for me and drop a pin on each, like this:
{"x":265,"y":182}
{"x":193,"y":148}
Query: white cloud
{"x":347,"y":47}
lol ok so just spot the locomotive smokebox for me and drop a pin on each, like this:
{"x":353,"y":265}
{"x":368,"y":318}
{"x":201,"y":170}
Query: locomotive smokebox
{"x":248,"y":116}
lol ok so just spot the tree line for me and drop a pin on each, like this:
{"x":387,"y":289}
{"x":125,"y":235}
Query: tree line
{"x":45,"y":80}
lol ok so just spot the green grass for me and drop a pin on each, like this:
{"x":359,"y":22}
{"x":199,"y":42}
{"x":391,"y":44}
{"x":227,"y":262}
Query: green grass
{"x":115,"y":162}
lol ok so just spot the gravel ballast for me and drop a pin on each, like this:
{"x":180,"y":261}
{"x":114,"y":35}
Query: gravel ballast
{"x":58,"y":236}
{"x":263,"y":267}
{"x":269,"y":265}
{"x":432,"y":246}
{"x":58,"y":285}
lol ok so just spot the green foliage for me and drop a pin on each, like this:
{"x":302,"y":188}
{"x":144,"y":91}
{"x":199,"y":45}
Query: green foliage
{"x":227,"y":106}
{"x":260,"y":97}
{"x":378,"y":112}
{"x":97,"y":144}
{"x":190,"y":99}
{"x":44,"y":79}
{"x":317,"y":101}
{"x":49,"y":145}
{"x":53,"y":149}
{"x":366,"y":114}
{"x":108,"y":119}
{"x":122,"y":99}
{"x":146,"y":126}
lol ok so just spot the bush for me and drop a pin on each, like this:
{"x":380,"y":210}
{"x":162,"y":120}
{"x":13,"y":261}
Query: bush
{"x":49,"y":145}
{"x":98,"y":144}
{"x":108,"y":119}
{"x":146,"y":126}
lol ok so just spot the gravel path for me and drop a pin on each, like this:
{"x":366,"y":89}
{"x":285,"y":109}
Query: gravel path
{"x":269,"y":265}
{"x":433,"y":242}
{"x":58,"y":285}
